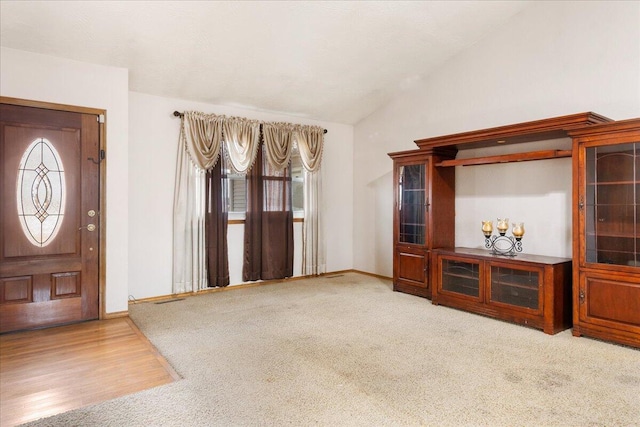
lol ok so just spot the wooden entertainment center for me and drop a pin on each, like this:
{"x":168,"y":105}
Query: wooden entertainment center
{"x":597,"y":291}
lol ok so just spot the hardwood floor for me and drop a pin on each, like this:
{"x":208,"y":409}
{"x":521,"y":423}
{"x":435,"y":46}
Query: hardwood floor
{"x":50,"y":371}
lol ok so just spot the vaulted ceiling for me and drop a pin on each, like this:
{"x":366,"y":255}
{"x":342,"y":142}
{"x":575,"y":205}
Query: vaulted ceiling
{"x":328,"y":60}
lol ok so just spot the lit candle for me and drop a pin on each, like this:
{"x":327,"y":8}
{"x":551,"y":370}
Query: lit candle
{"x":518,"y":230}
{"x":487,"y":228}
{"x":503,"y":226}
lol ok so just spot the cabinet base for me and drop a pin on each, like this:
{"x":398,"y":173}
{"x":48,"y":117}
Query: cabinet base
{"x":619,"y":337}
{"x":413,"y":290}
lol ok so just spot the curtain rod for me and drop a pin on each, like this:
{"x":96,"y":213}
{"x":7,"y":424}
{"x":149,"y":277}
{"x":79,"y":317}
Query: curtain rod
{"x":179,"y":114}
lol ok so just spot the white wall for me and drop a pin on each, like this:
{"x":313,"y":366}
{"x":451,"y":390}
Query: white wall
{"x":45,"y":78}
{"x":552,"y":59}
{"x":153,"y":137}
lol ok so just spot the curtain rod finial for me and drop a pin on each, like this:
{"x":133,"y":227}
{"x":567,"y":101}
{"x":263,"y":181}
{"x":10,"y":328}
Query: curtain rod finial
{"x":177,"y":114}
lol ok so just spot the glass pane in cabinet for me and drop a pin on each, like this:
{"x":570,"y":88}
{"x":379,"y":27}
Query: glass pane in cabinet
{"x":515,"y":287}
{"x":412,"y":204}
{"x":615,"y":163}
{"x":461,"y":277}
{"x":612,"y":223}
{"x":637,"y":154}
{"x":615,"y":250}
{"x":590,"y":163}
{"x":615,"y":220}
{"x":616,"y":194}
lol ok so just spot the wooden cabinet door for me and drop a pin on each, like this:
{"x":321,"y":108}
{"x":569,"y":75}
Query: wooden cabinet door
{"x":610,"y":301}
{"x":412,"y":266}
{"x":460,"y":278}
{"x":411,"y":227}
{"x":515,"y":288}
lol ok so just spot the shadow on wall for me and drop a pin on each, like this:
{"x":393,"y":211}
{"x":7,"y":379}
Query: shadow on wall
{"x":383,"y":224}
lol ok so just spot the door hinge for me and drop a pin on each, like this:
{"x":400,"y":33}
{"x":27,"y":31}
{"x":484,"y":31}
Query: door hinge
{"x":101,"y":158}
{"x":100,"y":118}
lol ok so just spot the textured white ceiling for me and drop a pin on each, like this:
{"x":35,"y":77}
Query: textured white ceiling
{"x":328,"y":60}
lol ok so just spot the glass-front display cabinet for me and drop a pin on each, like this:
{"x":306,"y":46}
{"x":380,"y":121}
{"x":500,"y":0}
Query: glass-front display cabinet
{"x":607,"y":232}
{"x":532,"y":290}
{"x":423,"y":205}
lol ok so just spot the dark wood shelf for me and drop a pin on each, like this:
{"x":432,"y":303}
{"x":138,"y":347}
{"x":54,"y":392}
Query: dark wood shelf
{"x":613,"y":183}
{"x":616,"y":235}
{"x":508,"y":158}
{"x":515,"y":285}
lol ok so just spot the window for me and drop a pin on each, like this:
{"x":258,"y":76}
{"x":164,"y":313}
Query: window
{"x":297,"y":185}
{"x":236,"y":192}
{"x":237,"y":188}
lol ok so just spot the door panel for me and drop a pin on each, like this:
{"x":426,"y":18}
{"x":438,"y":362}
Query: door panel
{"x":48,"y":257}
{"x":411,"y":267}
{"x":607,"y":301}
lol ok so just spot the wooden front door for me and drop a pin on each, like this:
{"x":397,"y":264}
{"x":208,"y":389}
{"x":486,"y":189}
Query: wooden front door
{"x":49,"y":217}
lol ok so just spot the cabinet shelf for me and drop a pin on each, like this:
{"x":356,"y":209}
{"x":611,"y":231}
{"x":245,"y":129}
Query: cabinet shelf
{"x":460,"y":276}
{"x":616,"y":235}
{"x":507,"y":158}
{"x":605,"y":183}
{"x":511,"y":284}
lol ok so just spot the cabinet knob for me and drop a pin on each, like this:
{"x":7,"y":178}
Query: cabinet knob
{"x":581,"y":296}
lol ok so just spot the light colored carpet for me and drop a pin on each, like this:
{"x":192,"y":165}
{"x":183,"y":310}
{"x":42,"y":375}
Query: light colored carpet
{"x":347,"y":351}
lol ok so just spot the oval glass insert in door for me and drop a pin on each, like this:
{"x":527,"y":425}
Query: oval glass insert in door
{"x":40,"y":192}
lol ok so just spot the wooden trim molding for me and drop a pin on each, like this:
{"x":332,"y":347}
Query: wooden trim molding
{"x":162,"y":298}
{"x":50,"y":105}
{"x":115,"y":315}
{"x":538,"y":130}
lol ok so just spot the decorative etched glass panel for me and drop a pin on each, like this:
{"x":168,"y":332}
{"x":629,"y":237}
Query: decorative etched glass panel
{"x":41,"y":192}
{"x":412,"y":204}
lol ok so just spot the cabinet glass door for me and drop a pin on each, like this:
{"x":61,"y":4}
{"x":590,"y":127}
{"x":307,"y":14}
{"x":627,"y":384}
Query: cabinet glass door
{"x":461,"y":277}
{"x":612,"y":216}
{"x":412,"y":203}
{"x":515,"y":287}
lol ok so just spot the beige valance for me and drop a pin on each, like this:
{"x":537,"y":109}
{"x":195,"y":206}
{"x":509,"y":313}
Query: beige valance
{"x":204,"y":134}
{"x":310,"y":141}
{"x":277,"y":139}
{"x":242,"y":138}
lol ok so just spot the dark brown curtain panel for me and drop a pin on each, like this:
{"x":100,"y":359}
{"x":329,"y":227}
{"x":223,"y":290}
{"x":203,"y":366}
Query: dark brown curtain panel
{"x":216,"y":216}
{"x":268,"y":232}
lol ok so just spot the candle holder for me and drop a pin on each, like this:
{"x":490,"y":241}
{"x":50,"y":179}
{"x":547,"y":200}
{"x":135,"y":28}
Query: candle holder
{"x":503,"y":244}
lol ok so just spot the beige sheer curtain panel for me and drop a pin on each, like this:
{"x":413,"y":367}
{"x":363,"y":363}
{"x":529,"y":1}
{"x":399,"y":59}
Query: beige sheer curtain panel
{"x":242,"y":137}
{"x":189,"y":263}
{"x":203,"y":136}
{"x":198,"y":151}
{"x":313,"y":245}
{"x":278,"y":142}
{"x":310,"y":141}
